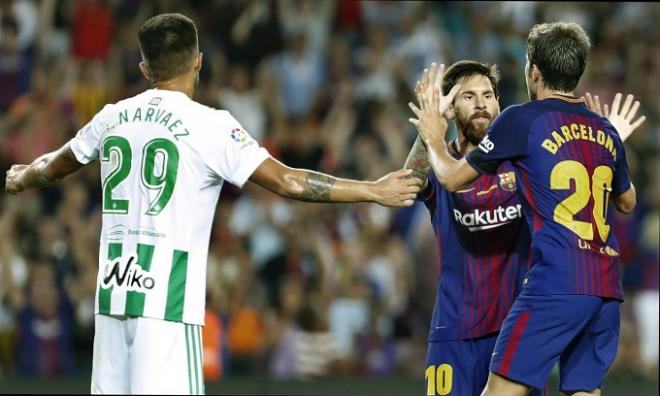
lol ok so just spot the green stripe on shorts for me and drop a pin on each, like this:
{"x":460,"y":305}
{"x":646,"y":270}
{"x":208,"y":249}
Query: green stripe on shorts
{"x":194,"y":345}
{"x":201,"y":361}
{"x":188,"y":356}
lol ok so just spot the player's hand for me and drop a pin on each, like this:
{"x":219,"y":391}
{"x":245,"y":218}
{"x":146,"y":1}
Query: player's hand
{"x":430,"y":122}
{"x":431,"y":78}
{"x":13,"y":181}
{"x":397,"y":188}
{"x":620,"y":118}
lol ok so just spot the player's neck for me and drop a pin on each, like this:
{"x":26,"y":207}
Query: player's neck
{"x":545,"y":93}
{"x":182,"y":83}
{"x":462,"y":145}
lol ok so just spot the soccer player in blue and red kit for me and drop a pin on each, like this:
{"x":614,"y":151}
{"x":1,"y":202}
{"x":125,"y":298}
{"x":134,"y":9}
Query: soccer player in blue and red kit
{"x":482,"y":239}
{"x":569,"y":163}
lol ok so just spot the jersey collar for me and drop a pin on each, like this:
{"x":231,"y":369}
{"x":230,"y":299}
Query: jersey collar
{"x":566,"y":98}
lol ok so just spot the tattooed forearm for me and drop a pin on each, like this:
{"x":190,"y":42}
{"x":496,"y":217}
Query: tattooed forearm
{"x":317,"y":188}
{"x":418,"y":161}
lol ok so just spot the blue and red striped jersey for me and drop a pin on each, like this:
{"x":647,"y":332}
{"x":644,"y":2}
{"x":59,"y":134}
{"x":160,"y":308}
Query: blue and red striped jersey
{"x":483,"y":245}
{"x":568,"y":160}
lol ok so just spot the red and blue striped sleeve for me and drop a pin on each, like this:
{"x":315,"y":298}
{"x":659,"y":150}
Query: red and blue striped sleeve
{"x":505,"y":139}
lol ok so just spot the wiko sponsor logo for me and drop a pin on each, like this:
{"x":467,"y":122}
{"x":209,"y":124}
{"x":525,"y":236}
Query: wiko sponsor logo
{"x":486,"y":145}
{"x":128,"y":276}
{"x":477,"y":220}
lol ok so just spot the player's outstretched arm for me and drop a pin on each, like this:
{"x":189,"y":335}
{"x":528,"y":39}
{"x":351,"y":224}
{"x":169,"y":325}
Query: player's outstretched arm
{"x":418,"y":157}
{"x":432,"y":127}
{"x":418,"y":162}
{"x":43,"y":171}
{"x":620,"y":118}
{"x":393,"y":189}
{"x":626,"y":202}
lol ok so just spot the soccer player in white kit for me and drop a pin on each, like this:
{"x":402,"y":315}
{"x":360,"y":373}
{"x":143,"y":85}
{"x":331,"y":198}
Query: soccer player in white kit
{"x":164,"y":159}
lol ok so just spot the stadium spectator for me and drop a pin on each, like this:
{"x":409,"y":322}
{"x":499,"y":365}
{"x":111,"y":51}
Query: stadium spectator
{"x":625,"y":58}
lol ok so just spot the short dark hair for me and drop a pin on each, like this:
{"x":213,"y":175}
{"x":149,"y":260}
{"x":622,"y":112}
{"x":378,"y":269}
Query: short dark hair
{"x":559,"y":50}
{"x":168,"y":43}
{"x":469,"y":68}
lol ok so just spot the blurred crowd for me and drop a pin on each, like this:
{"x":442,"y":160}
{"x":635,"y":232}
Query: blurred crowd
{"x":295,"y":290}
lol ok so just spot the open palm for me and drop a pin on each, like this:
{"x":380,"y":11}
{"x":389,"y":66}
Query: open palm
{"x":430,"y":122}
{"x":621,"y":117}
{"x":432,"y":79}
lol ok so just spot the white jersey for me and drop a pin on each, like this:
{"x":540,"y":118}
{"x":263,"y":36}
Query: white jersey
{"x":164,"y":158}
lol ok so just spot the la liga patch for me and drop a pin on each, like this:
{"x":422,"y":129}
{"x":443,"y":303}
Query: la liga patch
{"x":238,"y":135}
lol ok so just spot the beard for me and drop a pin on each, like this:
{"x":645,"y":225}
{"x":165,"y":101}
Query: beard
{"x":473,"y":133}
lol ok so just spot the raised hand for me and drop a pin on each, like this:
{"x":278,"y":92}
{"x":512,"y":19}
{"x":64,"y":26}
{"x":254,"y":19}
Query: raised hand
{"x":397,"y":188}
{"x":430,"y":122}
{"x":431,"y":78}
{"x":593,"y":102}
{"x":620,"y":118}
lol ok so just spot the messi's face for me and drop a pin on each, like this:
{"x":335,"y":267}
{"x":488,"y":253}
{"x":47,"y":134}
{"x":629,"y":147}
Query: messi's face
{"x":475,"y":106}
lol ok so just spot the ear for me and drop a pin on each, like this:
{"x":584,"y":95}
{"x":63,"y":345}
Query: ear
{"x":536,"y":74}
{"x":145,"y":71}
{"x":451,"y":112}
{"x":198,"y":61}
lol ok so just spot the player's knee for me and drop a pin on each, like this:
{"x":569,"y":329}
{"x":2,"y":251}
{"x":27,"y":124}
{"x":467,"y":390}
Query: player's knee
{"x":500,"y":386}
{"x":595,"y":392}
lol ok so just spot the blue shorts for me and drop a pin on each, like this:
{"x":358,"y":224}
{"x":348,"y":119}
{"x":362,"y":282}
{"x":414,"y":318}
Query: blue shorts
{"x":579,"y":331}
{"x":460,"y":367}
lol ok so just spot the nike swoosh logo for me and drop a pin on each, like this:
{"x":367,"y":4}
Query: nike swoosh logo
{"x":491,"y":188}
{"x":486,"y":227}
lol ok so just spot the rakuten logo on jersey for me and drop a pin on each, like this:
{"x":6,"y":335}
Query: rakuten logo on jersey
{"x":485,"y":219}
{"x":486,"y":145}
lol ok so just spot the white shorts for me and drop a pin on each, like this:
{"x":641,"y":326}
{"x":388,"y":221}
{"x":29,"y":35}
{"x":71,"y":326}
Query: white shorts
{"x":146,"y":356}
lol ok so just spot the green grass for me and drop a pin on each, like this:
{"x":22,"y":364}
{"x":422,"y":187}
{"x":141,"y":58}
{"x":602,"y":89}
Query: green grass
{"x":344,"y":386}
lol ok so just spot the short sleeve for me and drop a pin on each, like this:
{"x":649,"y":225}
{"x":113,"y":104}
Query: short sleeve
{"x":505,"y":139}
{"x":239,"y":154}
{"x":429,"y":191}
{"x":621,"y":181}
{"x":85,"y":145}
